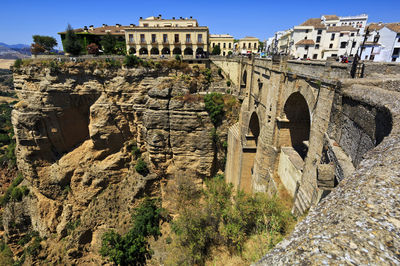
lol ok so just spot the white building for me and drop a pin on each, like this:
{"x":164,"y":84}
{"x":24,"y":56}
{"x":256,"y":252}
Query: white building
{"x":383,"y":43}
{"x":328,"y":36}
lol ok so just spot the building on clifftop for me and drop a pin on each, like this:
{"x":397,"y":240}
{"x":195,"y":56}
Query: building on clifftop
{"x":156,"y":37}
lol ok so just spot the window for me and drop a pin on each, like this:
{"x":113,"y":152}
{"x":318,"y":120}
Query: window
{"x":230,"y":45}
{"x":398,"y":38}
{"x":145,"y":25}
{"x":244,"y":46}
{"x":393,"y":59}
{"x":366,"y":57}
{"x":305,"y":38}
{"x":341,"y":34}
{"x":188,"y":38}
{"x":255,"y":45}
{"x":200,"y":38}
{"x":396,"y":52}
{"x":354,"y":44}
{"x":334,"y":24}
{"x":318,"y":39}
{"x":224,"y":45}
{"x":372,"y":57}
{"x":153,"y":38}
{"x":305,"y":56}
{"x":315,"y":56}
{"x":142,"y":39}
{"x":352,"y":34}
{"x":176,"y":38}
{"x":130,"y":38}
{"x":332,"y":36}
{"x":376,"y":38}
{"x":249,"y":45}
{"x":331,"y":45}
{"x":306,"y":31}
{"x":343,"y":44}
{"x":165,"y":38}
{"x":306,"y":48}
{"x":213,"y":44}
{"x":317,"y":46}
{"x":319,"y":32}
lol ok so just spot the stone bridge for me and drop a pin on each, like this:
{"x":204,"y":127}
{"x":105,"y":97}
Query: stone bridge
{"x":330,"y":142}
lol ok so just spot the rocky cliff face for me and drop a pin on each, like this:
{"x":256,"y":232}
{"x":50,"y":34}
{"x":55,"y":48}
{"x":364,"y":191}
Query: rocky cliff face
{"x":76,"y":126}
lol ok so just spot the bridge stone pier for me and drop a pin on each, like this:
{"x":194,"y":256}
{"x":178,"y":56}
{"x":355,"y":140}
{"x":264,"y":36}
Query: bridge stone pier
{"x":333,"y":143}
{"x":297,"y":129}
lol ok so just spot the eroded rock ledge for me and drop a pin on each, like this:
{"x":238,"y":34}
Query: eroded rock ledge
{"x":359,"y":222}
{"x":75,"y":126}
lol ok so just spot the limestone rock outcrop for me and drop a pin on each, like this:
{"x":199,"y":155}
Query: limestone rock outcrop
{"x":75,"y":127}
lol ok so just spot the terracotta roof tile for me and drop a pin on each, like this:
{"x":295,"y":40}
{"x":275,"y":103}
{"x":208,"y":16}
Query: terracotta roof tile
{"x":393,"y":26}
{"x":113,"y":30}
{"x":305,"y":42}
{"x":375,"y":26}
{"x":331,"y":17}
{"x":315,"y":22}
{"x":341,"y":28}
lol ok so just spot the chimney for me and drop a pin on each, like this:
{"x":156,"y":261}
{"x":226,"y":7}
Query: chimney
{"x":104,"y":25}
{"x":85,"y":28}
{"x":132,"y":25}
{"x":118,"y":25}
{"x":173,"y":18}
{"x":180,"y":17}
{"x":141,"y":18}
{"x":159,"y":15}
{"x":91,"y":27}
{"x":191,"y":17}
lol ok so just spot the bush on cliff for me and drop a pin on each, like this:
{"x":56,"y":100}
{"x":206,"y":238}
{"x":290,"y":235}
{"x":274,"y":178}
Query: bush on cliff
{"x":132,"y":61}
{"x":214,"y":104}
{"x":141,"y":167}
{"x":13,"y":192}
{"x":133,"y":247}
{"x":223,"y":218}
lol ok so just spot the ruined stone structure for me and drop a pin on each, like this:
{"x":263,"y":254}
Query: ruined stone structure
{"x":331,"y":142}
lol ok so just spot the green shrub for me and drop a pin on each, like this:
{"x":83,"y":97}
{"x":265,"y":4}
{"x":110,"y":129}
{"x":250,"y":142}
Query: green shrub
{"x":224,"y":218}
{"x":132,"y":61}
{"x":141,"y":167}
{"x":178,"y":58}
{"x":228,"y":83}
{"x":108,"y":43}
{"x":11,"y":193}
{"x":133,"y":248}
{"x":6,"y":255}
{"x":72,"y":43}
{"x":18,"y":63}
{"x":135,"y":150}
{"x":214,"y":104}
{"x":208,"y":74}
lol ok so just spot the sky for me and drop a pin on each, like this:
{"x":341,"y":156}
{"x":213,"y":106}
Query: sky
{"x":20,"y":19}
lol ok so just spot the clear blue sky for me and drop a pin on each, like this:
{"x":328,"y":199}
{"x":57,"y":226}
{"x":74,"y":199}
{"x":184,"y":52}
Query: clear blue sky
{"x":20,"y":19}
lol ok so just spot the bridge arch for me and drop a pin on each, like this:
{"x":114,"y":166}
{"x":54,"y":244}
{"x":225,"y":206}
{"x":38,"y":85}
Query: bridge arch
{"x":244,"y":79}
{"x":249,"y":153}
{"x":295,"y":124}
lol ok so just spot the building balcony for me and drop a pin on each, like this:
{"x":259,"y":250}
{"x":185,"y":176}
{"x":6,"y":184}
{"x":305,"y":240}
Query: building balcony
{"x":200,"y":43}
{"x":188,"y":42}
{"x":177,"y":42}
{"x":131,"y":42}
{"x":143,"y":43}
{"x":165,"y":42}
{"x":154,"y":42}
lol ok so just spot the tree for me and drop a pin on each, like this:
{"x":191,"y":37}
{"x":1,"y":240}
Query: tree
{"x":93,"y":48}
{"x":216,"y":50}
{"x":72,"y":44}
{"x":47,"y":42}
{"x":37,"y":49}
{"x":108,"y":43}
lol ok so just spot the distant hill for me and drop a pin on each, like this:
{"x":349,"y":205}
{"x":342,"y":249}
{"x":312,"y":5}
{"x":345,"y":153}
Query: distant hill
{"x":14,"y":51}
{"x":15,"y":46}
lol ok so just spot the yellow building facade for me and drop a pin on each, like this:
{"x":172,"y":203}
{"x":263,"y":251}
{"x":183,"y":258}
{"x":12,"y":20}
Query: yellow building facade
{"x":247,"y":45}
{"x":224,"y":41}
{"x":159,"y":37}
